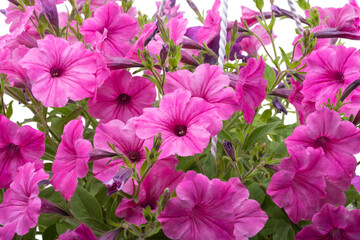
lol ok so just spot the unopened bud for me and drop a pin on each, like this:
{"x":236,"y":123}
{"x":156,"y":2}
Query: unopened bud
{"x":281,"y":92}
{"x":193,"y":6}
{"x":49,"y":207}
{"x":96,"y":154}
{"x":278,"y":105}
{"x":165,"y":198}
{"x":120,"y":63}
{"x":157,"y":142}
{"x":274,"y":168}
{"x":48,"y":7}
{"x":349,"y":89}
{"x":16,"y":3}
{"x":164,"y":53}
{"x":118,"y":181}
{"x":151,"y":36}
{"x":111,"y":235}
{"x":230,"y":150}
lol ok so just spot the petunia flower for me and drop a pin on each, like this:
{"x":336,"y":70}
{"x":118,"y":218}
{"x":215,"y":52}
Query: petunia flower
{"x":18,"y":146}
{"x":211,"y":209}
{"x":82,"y":232}
{"x":122,"y":97}
{"x":251,"y":87}
{"x":161,"y":176}
{"x":339,"y":140}
{"x":209,"y":83}
{"x":356,"y":182}
{"x":126,"y":142}
{"x":301,"y":175}
{"x":170,"y":9}
{"x":211,"y":26}
{"x":110,"y":30}
{"x":336,"y":223}
{"x":59,"y":71}
{"x":18,"y":18}
{"x":329,"y":70}
{"x":251,"y":44}
{"x":71,"y":159}
{"x":21,"y":205}
{"x":186,"y":123}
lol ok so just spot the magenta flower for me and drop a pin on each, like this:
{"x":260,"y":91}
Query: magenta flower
{"x":21,"y":205}
{"x":251,"y":87}
{"x":186,"y":123}
{"x":110,"y":30}
{"x":251,"y":44}
{"x":82,"y":232}
{"x":59,"y":71}
{"x":339,"y":140}
{"x":161,"y":176}
{"x":18,"y":18}
{"x":126,"y":142}
{"x":333,"y":223}
{"x":122,"y":97}
{"x":71,"y":159}
{"x":328,"y":70}
{"x":209,"y":83}
{"x":211,"y":26}
{"x":17,"y":147}
{"x":356,"y":182}
{"x":205,"y":209}
{"x":301,"y":175}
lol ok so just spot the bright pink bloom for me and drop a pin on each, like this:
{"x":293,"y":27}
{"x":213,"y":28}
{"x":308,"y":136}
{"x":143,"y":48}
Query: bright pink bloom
{"x":186,"y":123}
{"x":161,"y":176}
{"x":248,"y":15}
{"x":205,"y":209}
{"x":59,"y":71}
{"x":71,"y":160}
{"x":339,"y":140}
{"x":126,"y":142}
{"x":122,"y":97}
{"x":17,"y":147}
{"x":208,"y":82}
{"x":301,"y":175}
{"x":251,"y":87}
{"x":333,"y":223}
{"x":211,"y":26}
{"x":110,"y":30}
{"x":21,"y":206}
{"x":18,"y":18}
{"x":328,"y":70}
{"x":82,"y":232}
{"x":251,"y":44}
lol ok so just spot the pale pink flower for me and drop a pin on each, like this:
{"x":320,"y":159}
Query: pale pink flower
{"x":170,"y":9}
{"x":59,"y":71}
{"x":110,"y":30}
{"x":21,"y":205}
{"x":186,"y":123}
{"x":71,"y":160}
{"x":333,"y":223}
{"x":209,"y":83}
{"x":82,"y":232}
{"x":251,"y":44}
{"x":211,"y":209}
{"x":18,"y":145}
{"x":122,"y":97}
{"x":251,"y":87}
{"x":301,"y":175}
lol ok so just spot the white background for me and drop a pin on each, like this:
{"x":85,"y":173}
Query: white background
{"x":284,"y":29}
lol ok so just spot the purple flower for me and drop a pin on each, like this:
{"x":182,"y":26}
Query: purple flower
{"x":118,"y":181}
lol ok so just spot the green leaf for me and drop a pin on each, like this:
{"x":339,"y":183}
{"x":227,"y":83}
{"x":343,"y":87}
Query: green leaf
{"x":64,"y":226}
{"x":303,"y":4}
{"x":284,"y":231}
{"x":259,"y":133}
{"x":256,"y":193}
{"x":351,"y":194}
{"x":285,"y":57}
{"x":9,"y":111}
{"x":210,"y":166}
{"x":30,"y":235}
{"x":269,"y":75}
{"x":91,"y":222}
{"x":54,"y":197}
{"x":50,"y":233}
{"x":143,"y":168}
{"x":74,"y":114}
{"x":272,"y":22}
{"x":259,"y":4}
{"x":84,"y":205}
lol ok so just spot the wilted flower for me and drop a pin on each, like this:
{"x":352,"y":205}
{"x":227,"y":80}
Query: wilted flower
{"x":117,"y":182}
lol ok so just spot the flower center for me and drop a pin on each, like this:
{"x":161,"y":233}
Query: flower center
{"x":340,"y":77}
{"x":133,"y":156}
{"x":124,"y":98}
{"x":321,"y":142}
{"x":336,"y":234}
{"x":55,"y":72}
{"x":180,"y":130}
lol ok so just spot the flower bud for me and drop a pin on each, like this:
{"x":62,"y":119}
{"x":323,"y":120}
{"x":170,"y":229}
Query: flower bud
{"x":111,"y":235}
{"x":96,"y":154}
{"x":281,"y":92}
{"x":274,"y":167}
{"x":164,"y":53}
{"x":230,"y":150}
{"x":120,"y":63}
{"x":48,"y":7}
{"x":278,"y":105}
{"x":193,"y":7}
{"x":349,"y":89}
{"x":118,"y":181}
{"x":152,"y":35}
{"x":16,"y":3}
{"x":165,"y":198}
{"x":157,"y":142}
{"x":49,"y":207}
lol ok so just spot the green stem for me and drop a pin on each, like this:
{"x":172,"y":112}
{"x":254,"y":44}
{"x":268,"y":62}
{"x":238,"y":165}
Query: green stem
{"x":199,"y":164}
{"x":232,"y":120}
{"x":93,"y":122}
{"x":237,"y":171}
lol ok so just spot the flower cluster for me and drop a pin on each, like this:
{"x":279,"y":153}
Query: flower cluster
{"x":131,"y":111}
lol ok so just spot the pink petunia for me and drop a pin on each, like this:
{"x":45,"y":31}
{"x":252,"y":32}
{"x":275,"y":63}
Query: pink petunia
{"x":356,"y":182}
{"x":18,"y":146}
{"x":205,"y":209}
{"x":59,"y":71}
{"x":110,"y":30}
{"x":251,"y":44}
{"x":211,"y":26}
{"x":333,"y":223}
{"x":126,"y":142}
{"x":71,"y":160}
{"x":339,"y":140}
{"x":82,"y":232}
{"x":122,"y":97}
{"x":170,"y":9}
{"x":186,"y":123}
{"x":329,"y":70}
{"x":18,"y":18}
{"x":301,"y":175}
{"x":209,"y":83}
{"x":21,"y":205}
{"x":161,"y":176}
{"x":251,"y":87}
